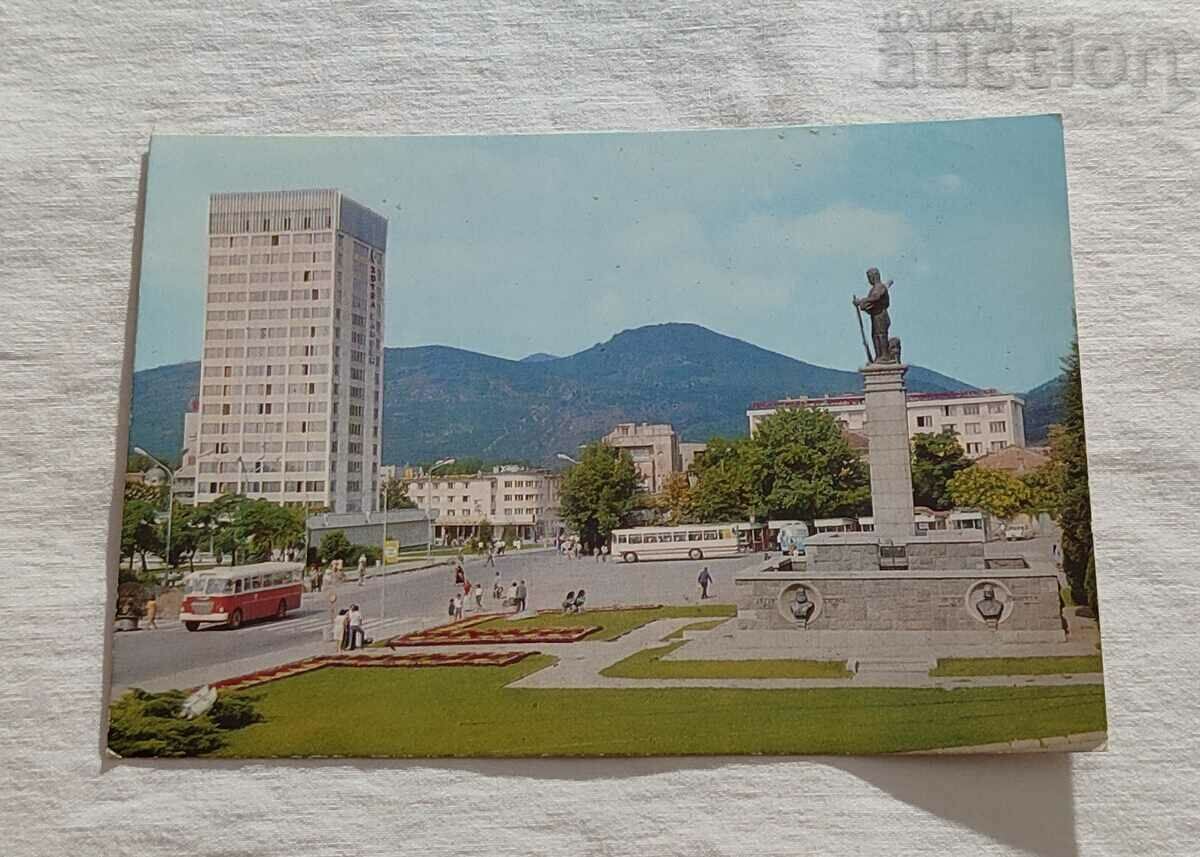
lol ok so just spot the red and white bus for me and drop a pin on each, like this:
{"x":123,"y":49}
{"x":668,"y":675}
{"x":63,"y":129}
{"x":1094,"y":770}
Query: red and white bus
{"x":233,"y":596}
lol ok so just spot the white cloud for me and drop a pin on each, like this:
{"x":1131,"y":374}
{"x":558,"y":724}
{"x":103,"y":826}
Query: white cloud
{"x":948,"y":182}
{"x":837,"y":230}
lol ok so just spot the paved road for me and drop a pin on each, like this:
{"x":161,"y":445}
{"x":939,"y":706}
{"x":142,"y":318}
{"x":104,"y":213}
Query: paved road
{"x":405,"y":602}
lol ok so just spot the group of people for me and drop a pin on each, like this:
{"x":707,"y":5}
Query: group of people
{"x":572,"y":549}
{"x":348,"y":631}
{"x":465,"y":592}
{"x":574,"y":601}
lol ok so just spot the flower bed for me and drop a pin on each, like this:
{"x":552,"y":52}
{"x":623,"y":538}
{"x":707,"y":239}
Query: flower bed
{"x":434,"y":659}
{"x":466,"y":633}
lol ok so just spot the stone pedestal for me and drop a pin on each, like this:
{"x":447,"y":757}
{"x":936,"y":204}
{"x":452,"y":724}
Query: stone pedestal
{"x":891,"y":457}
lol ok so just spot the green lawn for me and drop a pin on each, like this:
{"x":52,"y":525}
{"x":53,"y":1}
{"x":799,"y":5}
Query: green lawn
{"x":467,"y":711}
{"x":612,"y":623}
{"x":648,"y":663}
{"x":1056,"y":665}
{"x":677,"y":634}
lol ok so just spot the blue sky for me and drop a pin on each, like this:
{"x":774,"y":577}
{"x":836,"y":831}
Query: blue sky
{"x":510,"y":245}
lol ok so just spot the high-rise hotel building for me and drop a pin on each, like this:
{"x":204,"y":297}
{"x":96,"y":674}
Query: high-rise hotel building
{"x":291,"y":380}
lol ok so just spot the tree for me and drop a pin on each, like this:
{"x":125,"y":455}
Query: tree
{"x":396,"y":495}
{"x":486,"y":531}
{"x":1069,"y":451}
{"x":797,"y":465}
{"x":139,"y":531}
{"x":996,"y":492}
{"x":335,"y":546}
{"x":1045,"y":486}
{"x":674,"y":502}
{"x":935,"y":460}
{"x":801,"y":466}
{"x":723,"y":487}
{"x":598,"y":494}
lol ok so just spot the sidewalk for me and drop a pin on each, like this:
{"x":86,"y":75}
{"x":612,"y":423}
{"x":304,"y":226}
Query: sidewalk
{"x":579,"y":664}
{"x":423,"y":563}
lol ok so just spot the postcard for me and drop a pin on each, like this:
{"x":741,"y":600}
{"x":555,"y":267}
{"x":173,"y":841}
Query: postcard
{"x":762,"y":441}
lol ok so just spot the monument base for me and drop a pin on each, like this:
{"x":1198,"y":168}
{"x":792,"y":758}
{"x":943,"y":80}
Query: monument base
{"x":962,"y":606}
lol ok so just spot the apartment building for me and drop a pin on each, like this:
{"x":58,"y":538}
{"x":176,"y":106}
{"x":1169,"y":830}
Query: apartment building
{"x":527,"y":500}
{"x":291,"y":384}
{"x":986,"y":421}
{"x":654,"y":449}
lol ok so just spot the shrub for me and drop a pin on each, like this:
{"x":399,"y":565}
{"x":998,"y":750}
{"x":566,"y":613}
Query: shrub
{"x":147,"y":724}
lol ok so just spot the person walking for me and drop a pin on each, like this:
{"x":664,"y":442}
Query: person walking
{"x":596,"y":553}
{"x":458,"y":607}
{"x":604,"y":549}
{"x":341,"y":630}
{"x":512,"y":595}
{"x":450,"y":609}
{"x":491,"y":557}
{"x":362,"y":568}
{"x":522,"y":596}
{"x":459,"y":574}
{"x":704,"y":580}
{"x":497,"y":587}
{"x":479,"y":597}
{"x":152,"y":614}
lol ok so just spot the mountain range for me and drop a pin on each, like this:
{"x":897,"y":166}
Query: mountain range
{"x":441,"y":401}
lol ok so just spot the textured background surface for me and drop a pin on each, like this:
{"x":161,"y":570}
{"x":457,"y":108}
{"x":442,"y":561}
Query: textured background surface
{"x":83,"y":85}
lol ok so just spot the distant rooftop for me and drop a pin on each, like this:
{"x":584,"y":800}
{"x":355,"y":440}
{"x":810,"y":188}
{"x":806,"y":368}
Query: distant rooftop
{"x":857,"y":399}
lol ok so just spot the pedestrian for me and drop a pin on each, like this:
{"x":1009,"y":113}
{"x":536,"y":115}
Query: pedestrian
{"x":497,"y":586}
{"x":152,"y":614}
{"x":1055,"y":553}
{"x":459,"y":574}
{"x":704,"y":580}
{"x":491,"y":557}
{"x":450,"y":609}
{"x":341,"y":630}
{"x":604,"y":552}
{"x":362,"y":568}
{"x":358,"y":636}
{"x":512,"y":595}
{"x":596,"y":553}
{"x":458,"y":607}
{"x":517,"y":545}
{"x":332,"y":599}
{"x":479,"y":597}
{"x":522,"y":596}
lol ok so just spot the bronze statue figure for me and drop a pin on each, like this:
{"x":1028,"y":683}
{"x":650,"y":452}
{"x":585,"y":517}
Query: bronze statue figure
{"x":990,"y":608}
{"x":875,"y":304}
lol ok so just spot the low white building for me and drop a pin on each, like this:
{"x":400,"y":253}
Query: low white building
{"x":526,"y":500}
{"x":986,"y":421}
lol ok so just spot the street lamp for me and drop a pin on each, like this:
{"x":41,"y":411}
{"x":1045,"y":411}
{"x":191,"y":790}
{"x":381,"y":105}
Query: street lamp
{"x":170,"y":493}
{"x":429,"y":504}
{"x":563,"y":456}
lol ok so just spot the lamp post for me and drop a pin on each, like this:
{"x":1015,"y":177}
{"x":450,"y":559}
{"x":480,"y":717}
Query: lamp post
{"x":429,"y":504}
{"x":170,"y":494}
{"x":564,"y":457}
{"x":383,"y":558}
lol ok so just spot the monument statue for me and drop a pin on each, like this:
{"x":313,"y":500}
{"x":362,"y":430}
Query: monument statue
{"x":875,"y":304}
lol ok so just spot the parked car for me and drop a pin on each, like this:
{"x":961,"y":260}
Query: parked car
{"x":1017,"y":533}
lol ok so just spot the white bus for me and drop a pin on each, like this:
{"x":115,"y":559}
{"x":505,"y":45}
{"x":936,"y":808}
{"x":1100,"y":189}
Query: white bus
{"x":694,"y":541}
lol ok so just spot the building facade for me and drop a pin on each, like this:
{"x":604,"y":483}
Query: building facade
{"x":409,"y":528}
{"x":291,"y":381}
{"x":526,"y":500}
{"x":654,"y":449}
{"x":986,"y":421}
